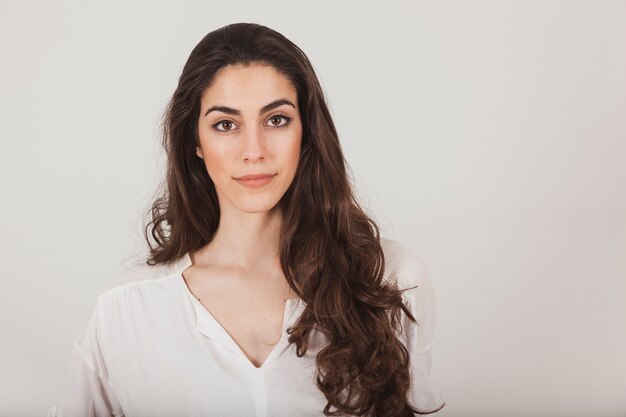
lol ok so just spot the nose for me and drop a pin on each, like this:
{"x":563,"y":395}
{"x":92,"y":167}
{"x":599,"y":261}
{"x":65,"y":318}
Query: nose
{"x":253,"y":146}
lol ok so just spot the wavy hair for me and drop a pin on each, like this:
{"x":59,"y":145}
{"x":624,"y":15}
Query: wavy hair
{"x":330,"y":250}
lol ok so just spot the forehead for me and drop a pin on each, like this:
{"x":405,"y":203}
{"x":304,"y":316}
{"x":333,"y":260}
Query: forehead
{"x":254,"y":83}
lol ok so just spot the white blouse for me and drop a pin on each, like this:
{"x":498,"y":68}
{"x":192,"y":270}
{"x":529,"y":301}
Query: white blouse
{"x":152,"y":349}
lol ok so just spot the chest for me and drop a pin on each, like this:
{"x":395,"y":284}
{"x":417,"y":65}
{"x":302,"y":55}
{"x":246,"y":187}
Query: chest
{"x":251,"y":312}
{"x":254,"y":323}
{"x":165,"y":362}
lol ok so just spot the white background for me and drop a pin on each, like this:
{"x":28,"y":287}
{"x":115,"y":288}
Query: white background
{"x":488,"y":136}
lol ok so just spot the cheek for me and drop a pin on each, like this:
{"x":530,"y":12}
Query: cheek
{"x":216,"y":164}
{"x":294,"y":150}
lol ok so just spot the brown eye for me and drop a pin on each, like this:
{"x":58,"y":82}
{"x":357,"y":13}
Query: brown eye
{"x":279,"y":121}
{"x":224,"y":125}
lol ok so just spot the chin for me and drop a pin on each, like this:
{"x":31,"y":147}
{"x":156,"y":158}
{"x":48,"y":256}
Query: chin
{"x":258,"y":206}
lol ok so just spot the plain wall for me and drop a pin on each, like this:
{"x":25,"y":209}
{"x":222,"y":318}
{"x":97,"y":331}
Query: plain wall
{"x":488,"y":136}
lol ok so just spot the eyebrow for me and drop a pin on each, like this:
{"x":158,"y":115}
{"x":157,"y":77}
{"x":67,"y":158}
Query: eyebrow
{"x":266,"y":108}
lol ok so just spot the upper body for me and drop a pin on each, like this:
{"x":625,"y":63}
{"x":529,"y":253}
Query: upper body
{"x":275,"y":301}
{"x":152,"y":349}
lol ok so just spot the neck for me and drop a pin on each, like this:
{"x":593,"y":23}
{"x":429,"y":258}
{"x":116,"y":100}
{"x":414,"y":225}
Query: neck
{"x":244,"y":241}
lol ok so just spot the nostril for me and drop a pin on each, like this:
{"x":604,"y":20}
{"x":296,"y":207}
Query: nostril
{"x":253,"y":158}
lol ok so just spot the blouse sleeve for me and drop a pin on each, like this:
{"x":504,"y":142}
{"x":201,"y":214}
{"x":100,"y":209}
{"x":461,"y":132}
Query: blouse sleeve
{"x":418,"y":336}
{"x":88,"y":390}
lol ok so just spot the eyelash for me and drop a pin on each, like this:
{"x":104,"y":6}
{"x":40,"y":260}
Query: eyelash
{"x":287,"y":121}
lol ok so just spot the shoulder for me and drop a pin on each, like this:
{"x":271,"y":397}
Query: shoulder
{"x":136,"y":276}
{"x":403,"y":264}
{"x":144,"y":298}
{"x":136,"y":269}
{"x":409,"y":270}
{"x":135,"y":310}
{"x":136,"y":296}
{"x":140,"y":286}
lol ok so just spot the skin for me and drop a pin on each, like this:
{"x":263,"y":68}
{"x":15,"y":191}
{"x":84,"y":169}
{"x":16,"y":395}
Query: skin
{"x":237,"y":276}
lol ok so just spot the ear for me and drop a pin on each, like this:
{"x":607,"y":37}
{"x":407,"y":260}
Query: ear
{"x":199,"y":152}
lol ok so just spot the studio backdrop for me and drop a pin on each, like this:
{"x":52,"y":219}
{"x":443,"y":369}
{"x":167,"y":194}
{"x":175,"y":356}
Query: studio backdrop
{"x":487,"y":136}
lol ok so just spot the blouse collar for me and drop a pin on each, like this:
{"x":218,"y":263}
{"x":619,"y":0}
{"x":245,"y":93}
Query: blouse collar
{"x":210,"y":327}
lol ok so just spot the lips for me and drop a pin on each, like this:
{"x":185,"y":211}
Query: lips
{"x":255,"y":180}
{"x":254,"y":177}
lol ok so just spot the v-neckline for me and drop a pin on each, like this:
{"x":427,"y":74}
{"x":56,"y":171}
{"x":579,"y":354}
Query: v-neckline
{"x":211,"y":327}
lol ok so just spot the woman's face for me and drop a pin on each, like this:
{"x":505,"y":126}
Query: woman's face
{"x":249,"y":125}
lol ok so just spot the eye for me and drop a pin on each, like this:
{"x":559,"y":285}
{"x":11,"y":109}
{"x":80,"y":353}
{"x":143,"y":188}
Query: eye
{"x":224,"y":126}
{"x":279,"y":120}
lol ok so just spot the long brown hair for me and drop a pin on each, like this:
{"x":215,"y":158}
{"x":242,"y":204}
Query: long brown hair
{"x":330,"y":250}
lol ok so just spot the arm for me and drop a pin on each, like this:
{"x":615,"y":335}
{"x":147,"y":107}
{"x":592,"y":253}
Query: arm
{"x":418,"y":336}
{"x":88,"y":390}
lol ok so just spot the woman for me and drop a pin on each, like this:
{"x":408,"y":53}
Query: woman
{"x":273,"y":293}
